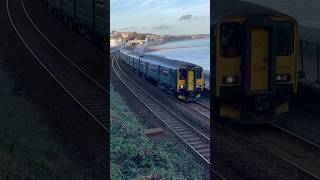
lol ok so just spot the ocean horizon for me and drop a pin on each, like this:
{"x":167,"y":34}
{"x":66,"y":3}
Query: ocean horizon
{"x":196,"y":51}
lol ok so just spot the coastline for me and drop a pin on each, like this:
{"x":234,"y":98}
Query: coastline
{"x":154,"y":46}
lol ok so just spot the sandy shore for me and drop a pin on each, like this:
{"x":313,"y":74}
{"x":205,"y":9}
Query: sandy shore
{"x":154,"y":46}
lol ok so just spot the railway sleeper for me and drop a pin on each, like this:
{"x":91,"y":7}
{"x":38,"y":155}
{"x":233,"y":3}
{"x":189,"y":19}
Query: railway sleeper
{"x":185,"y":133}
{"x":93,"y":99}
{"x":186,"y":137}
{"x":176,"y":125}
{"x":181,"y":130}
{"x":202,"y":146}
{"x":204,"y":151}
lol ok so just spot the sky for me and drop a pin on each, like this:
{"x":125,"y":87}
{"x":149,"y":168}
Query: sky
{"x":305,"y":11}
{"x":171,"y":17}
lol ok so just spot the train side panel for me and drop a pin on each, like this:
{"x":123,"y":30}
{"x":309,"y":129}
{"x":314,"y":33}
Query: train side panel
{"x":165,"y":76}
{"x":101,"y":19}
{"x":153,"y":71}
{"x":136,"y":64}
{"x":143,"y":67}
{"x":68,"y":8}
{"x":84,"y":15}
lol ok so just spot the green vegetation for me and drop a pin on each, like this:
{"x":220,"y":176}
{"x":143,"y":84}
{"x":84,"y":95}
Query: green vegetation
{"x":26,"y":149}
{"x":134,"y":156}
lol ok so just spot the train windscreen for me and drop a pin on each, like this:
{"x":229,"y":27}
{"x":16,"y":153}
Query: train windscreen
{"x":198,"y":73}
{"x":284,"y":38}
{"x":230,"y":39}
{"x":183,"y":74}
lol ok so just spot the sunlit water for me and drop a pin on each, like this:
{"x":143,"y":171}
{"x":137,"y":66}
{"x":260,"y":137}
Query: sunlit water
{"x":195,"y":51}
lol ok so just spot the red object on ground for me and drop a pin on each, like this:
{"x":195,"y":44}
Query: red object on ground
{"x":154,"y":132}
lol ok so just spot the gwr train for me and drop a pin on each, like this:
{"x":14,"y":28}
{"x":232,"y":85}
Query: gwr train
{"x":181,"y":79}
{"x":88,"y":17}
{"x":254,"y":54}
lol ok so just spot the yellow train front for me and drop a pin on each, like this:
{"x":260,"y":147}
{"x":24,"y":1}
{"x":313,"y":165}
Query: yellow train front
{"x":254,"y":61}
{"x":190,"y":82}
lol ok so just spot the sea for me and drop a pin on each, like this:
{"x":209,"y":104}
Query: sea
{"x":196,"y":51}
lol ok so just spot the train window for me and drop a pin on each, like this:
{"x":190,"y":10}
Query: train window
{"x":284,"y":38}
{"x":154,"y":67}
{"x":230,"y":39}
{"x":165,"y":72}
{"x":183,"y":74}
{"x":100,"y":3}
{"x":198,"y":73}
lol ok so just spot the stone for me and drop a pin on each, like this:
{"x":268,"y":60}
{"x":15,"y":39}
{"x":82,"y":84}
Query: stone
{"x":154,"y":132}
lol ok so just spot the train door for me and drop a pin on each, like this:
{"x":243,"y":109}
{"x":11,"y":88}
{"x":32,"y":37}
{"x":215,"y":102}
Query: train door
{"x":259,"y":56}
{"x":259,"y":78}
{"x":191,"y":81}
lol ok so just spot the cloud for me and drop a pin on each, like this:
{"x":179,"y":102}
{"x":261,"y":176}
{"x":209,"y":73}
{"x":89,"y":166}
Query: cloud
{"x":185,"y":17}
{"x":162,"y":26}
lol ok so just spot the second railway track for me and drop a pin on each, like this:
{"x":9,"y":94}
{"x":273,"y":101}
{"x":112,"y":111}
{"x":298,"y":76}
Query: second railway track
{"x":86,"y":92}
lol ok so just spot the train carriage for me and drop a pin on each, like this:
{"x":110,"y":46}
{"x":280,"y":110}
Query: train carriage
{"x":134,"y":60}
{"x":101,"y":20}
{"x":88,"y":17}
{"x":254,"y":60}
{"x":69,"y":11}
{"x":182,"y":79}
{"x":143,"y":66}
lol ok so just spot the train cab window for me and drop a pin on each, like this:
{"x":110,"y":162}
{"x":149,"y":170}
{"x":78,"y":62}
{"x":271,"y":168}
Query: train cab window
{"x":284,"y":38}
{"x":230,"y":39}
{"x":183,"y":73}
{"x":198,"y":74}
{"x":165,"y":72}
{"x":100,"y":3}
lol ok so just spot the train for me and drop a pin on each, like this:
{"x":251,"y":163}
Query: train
{"x":254,"y":56}
{"x":88,"y":18}
{"x":182,"y":80}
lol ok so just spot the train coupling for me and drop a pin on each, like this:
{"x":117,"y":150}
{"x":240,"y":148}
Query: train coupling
{"x":261,"y":104}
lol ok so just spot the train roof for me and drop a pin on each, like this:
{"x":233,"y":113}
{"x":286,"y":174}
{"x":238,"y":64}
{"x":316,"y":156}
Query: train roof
{"x":124,"y":51}
{"x":134,"y":54}
{"x":169,"y":63}
{"x":310,"y":34}
{"x":165,"y":62}
{"x":225,"y":8}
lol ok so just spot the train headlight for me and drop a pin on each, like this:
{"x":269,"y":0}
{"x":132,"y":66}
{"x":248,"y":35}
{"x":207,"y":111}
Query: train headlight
{"x":283,"y":77}
{"x":230,"y":79}
{"x":278,"y":78}
{"x":181,"y":87}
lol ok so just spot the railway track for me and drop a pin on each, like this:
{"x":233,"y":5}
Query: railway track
{"x":202,"y":109}
{"x":196,"y":141}
{"x":294,"y":150}
{"x":82,"y":88}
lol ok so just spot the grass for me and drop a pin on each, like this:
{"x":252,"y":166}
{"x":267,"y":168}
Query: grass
{"x":27,"y":151}
{"x":134,"y":156}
